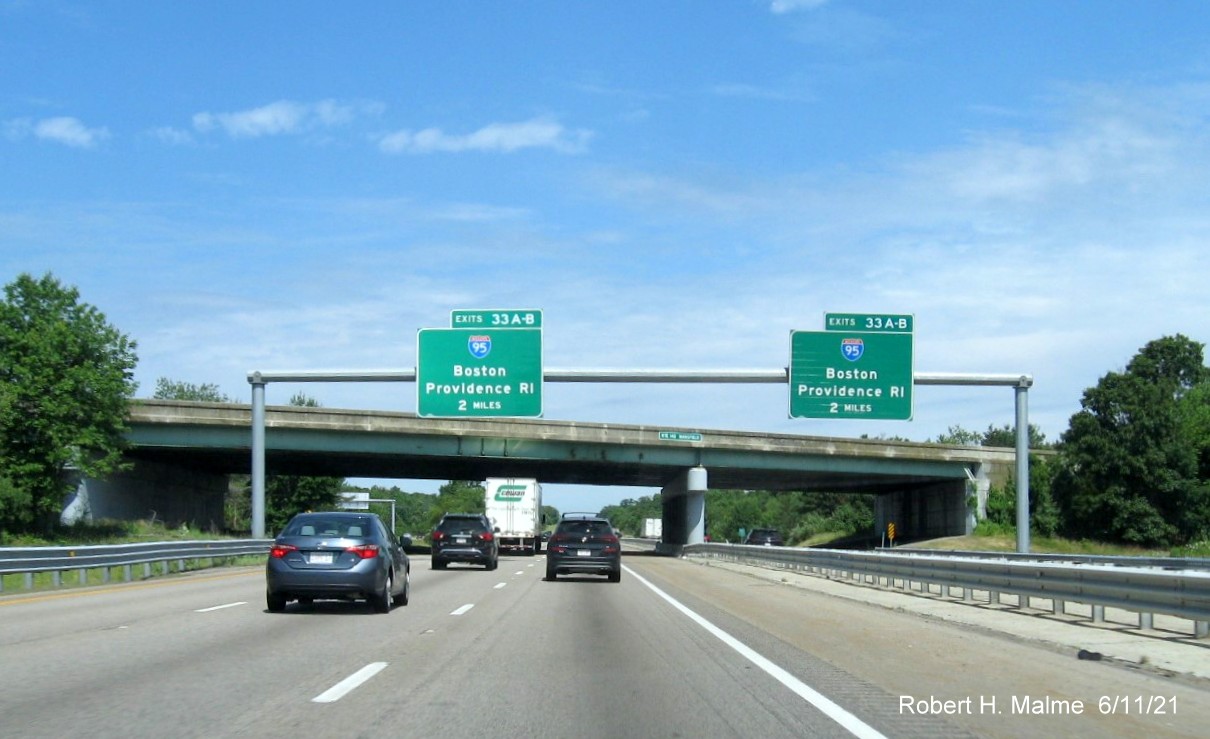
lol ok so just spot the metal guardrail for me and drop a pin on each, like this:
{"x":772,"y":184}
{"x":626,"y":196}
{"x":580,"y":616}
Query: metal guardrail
{"x":1184,"y":594}
{"x":29,"y":561}
{"x":1105,"y":560}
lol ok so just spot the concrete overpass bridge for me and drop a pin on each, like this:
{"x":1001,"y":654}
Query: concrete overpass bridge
{"x":183,"y":452}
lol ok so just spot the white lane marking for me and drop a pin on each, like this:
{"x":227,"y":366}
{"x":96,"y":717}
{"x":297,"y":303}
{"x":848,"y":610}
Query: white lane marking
{"x":462,"y":610}
{"x":219,"y":608}
{"x":520,"y":572}
{"x":851,"y":723}
{"x":499,"y":585}
{"x":350,"y":683}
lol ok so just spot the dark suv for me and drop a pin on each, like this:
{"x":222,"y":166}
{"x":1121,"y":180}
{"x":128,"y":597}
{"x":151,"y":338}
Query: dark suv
{"x":765,"y":537}
{"x":584,"y":544}
{"x":465,"y":537}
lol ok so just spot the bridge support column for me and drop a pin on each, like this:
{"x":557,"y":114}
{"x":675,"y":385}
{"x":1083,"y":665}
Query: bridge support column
{"x":684,"y":500}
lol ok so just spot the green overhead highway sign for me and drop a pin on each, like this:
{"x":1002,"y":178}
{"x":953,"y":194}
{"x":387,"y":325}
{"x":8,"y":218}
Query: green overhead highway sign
{"x":479,"y":372}
{"x":879,"y":322}
{"x":851,"y":374}
{"x":524,"y":318}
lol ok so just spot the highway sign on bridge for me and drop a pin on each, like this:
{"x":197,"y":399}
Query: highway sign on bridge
{"x":479,"y":372}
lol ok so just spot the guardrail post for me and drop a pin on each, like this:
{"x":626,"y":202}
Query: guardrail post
{"x":129,"y":571}
{"x":1201,"y":629}
{"x":1146,"y":621}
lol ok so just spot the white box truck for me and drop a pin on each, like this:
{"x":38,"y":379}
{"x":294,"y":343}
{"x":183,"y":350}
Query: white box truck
{"x":514,"y":506}
{"x":653,"y":528}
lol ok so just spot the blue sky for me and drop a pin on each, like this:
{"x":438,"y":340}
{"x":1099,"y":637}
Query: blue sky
{"x":283,"y":186}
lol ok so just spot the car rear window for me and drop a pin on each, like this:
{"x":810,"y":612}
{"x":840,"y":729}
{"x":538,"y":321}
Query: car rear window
{"x":346,"y":527}
{"x":595,"y":528}
{"x":450,"y":525}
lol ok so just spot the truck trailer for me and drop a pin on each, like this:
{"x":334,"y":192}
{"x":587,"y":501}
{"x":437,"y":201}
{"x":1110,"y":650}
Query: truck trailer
{"x":514,"y":506}
{"x":653,"y":528}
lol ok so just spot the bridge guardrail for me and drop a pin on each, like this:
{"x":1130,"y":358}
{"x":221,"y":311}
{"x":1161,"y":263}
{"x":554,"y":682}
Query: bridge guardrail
{"x":1184,"y":594}
{"x":29,"y":561}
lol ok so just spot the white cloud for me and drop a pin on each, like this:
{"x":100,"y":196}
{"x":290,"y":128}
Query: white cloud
{"x":541,"y":133}
{"x":781,"y":7}
{"x":282,"y":117}
{"x":62,"y":130}
{"x":172,"y":136}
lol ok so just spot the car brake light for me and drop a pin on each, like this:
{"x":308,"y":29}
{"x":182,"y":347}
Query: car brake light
{"x":487,"y":536}
{"x":365,"y":551}
{"x":437,"y":536}
{"x":280,"y":550}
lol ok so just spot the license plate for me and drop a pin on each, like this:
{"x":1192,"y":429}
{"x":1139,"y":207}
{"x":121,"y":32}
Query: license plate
{"x":460,"y":540}
{"x":584,"y":553}
{"x":321,"y":558}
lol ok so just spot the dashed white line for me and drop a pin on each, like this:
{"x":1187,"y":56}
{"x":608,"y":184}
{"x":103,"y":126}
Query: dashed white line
{"x":350,"y":683}
{"x":499,"y":585}
{"x":461,"y":610}
{"x":219,"y":608}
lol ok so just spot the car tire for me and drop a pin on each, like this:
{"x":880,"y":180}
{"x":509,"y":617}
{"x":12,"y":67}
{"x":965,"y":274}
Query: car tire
{"x":406,"y":594}
{"x":493,"y":564}
{"x":615,"y":576}
{"x":551,"y":573}
{"x":382,"y":600}
{"x":275,"y":602}
{"x":438,"y":564}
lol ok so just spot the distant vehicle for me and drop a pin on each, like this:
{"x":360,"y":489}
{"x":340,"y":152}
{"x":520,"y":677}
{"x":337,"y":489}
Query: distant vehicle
{"x":764,"y":537}
{"x":653,"y":528}
{"x":465,"y":537}
{"x":514,"y":506}
{"x":347,"y":556}
{"x":584,"y":544}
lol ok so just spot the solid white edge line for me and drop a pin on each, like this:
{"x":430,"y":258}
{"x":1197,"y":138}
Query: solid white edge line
{"x":219,"y":608}
{"x":462,"y":609}
{"x":346,"y":686}
{"x":851,"y":723}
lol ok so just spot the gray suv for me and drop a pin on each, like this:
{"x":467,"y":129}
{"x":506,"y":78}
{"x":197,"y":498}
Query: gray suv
{"x":465,"y":537}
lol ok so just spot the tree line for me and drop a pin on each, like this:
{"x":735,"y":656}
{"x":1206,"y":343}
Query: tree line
{"x":1133,"y":465}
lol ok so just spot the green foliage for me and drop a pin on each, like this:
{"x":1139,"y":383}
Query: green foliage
{"x":959,"y":436}
{"x":287,"y":495}
{"x":797,"y":515}
{"x":1131,"y":464}
{"x":628,"y":516}
{"x":457,"y":496}
{"x":67,"y":378}
{"x":550,"y":516}
{"x":411,"y":509}
{"x":1044,"y":515}
{"x":166,"y":389}
{"x":1002,"y":436}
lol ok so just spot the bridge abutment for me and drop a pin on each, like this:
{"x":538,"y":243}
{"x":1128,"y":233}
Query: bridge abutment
{"x":150,"y":490}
